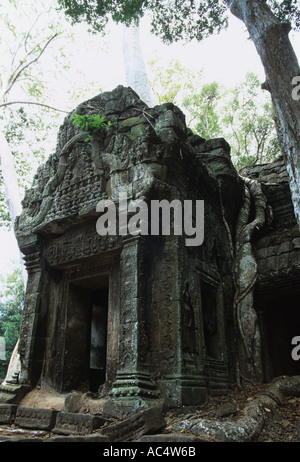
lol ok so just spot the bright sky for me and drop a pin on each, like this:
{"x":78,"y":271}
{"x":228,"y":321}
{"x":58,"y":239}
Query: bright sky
{"x":225,"y":58}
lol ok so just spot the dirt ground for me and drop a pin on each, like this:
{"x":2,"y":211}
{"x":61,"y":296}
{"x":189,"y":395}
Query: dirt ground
{"x":283,"y":426}
{"x":51,"y":399}
{"x":46,"y":399}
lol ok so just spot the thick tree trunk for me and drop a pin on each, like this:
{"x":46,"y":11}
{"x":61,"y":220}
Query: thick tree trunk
{"x":248,"y":350}
{"x":135,"y":70}
{"x":270,"y":38}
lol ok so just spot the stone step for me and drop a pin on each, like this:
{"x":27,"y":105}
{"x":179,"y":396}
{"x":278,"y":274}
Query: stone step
{"x":24,"y":422}
{"x":64,"y":423}
{"x":68,"y":423}
{"x":8,"y":434}
{"x":35,"y":418}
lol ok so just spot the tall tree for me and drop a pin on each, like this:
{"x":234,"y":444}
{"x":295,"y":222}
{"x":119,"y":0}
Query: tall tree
{"x":268,"y":23}
{"x":270,"y":37}
{"x":31,"y":32}
{"x":22,"y":48}
{"x":26,"y":35}
{"x":135,"y":69}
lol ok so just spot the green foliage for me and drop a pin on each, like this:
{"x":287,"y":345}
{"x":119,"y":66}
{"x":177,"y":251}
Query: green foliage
{"x":187,"y":20}
{"x":287,"y":11}
{"x":172,"y":20}
{"x":170,"y":83}
{"x":11,"y":306}
{"x":90,"y":123}
{"x":203,"y":109}
{"x":28,"y":30}
{"x":248,"y":121}
{"x":97,"y":13}
{"x":242,"y":115}
{"x":4,"y":213}
{"x":29,"y":134}
{"x":199,"y":101}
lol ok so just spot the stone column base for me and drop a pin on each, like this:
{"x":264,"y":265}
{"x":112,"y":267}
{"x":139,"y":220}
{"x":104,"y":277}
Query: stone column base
{"x":183,"y":390}
{"x":132,"y":392}
{"x":134,"y":384}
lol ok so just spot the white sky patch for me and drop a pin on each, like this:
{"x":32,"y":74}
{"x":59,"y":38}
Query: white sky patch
{"x":9,"y":253}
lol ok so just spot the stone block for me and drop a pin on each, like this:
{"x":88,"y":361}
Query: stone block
{"x":7,"y":413}
{"x":68,"y":423}
{"x":73,"y":402}
{"x":37,"y":418}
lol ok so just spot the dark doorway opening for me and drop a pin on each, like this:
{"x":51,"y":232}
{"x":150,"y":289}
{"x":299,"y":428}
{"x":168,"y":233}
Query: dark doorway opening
{"x":98,"y":341}
{"x":86,"y":334}
{"x":280,"y":324}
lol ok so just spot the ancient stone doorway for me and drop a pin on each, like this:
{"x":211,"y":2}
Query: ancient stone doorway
{"x":98,"y":342}
{"x":280,"y":321}
{"x":86,"y":336}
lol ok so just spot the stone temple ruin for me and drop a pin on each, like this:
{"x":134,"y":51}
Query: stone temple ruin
{"x":141,"y":318}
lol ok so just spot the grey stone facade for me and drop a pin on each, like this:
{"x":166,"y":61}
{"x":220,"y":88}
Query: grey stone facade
{"x":167,"y":310}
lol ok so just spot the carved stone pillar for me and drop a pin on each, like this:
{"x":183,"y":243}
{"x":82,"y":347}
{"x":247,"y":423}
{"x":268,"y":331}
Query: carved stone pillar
{"x":133,"y":379}
{"x":179,"y":353}
{"x":31,"y":333}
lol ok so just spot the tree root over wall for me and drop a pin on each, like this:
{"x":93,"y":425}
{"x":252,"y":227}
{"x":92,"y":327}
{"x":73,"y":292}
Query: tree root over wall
{"x":254,"y":418}
{"x":252,"y":217}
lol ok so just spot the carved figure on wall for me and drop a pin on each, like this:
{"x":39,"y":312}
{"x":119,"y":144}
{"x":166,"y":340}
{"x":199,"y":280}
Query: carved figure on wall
{"x":189,"y":341}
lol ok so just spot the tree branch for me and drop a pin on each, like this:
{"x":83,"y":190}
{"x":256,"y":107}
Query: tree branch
{"x":9,"y":103}
{"x":23,"y":68}
{"x":30,"y":29}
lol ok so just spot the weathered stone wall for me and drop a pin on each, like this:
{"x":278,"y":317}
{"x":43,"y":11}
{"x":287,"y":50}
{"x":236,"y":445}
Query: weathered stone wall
{"x":172,"y":325}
